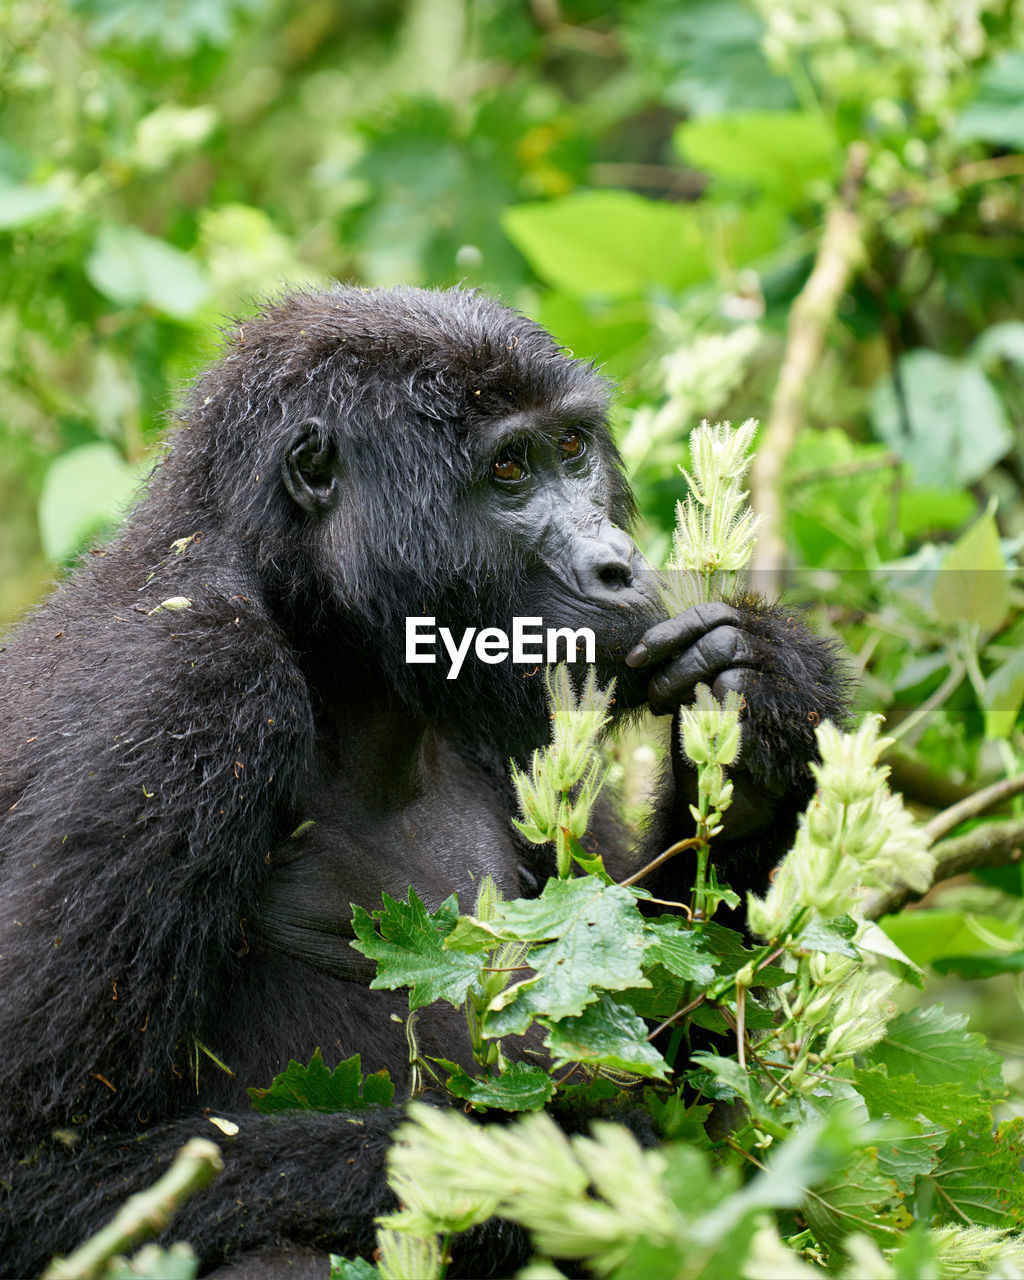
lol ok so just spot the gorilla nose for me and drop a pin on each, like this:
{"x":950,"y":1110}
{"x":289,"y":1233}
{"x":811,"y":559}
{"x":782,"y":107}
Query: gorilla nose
{"x":605,"y":564}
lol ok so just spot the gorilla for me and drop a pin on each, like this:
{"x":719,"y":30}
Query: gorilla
{"x":212,"y":745}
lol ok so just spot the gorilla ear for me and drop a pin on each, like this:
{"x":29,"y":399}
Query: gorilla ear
{"x":310,"y":468}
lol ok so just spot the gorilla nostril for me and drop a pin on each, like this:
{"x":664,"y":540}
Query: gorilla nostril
{"x":615,"y":575}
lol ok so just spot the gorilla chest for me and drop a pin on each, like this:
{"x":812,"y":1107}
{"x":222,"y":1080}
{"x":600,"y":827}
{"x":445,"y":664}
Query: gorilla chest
{"x":441,"y":831}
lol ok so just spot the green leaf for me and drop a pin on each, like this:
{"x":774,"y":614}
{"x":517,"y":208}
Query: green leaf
{"x":728,"y":1072}
{"x":315,"y":1088}
{"x":605,"y":1034}
{"x":779,"y":152}
{"x":934,"y":1047}
{"x":22,"y":204}
{"x":352,"y":1269}
{"x":612,"y":243}
{"x":858,"y":1198}
{"x":997,"y":113}
{"x":979,"y":1177}
{"x":1000,"y":341}
{"x":679,"y":950}
{"x":521,"y":1087}
{"x":905,"y":1098}
{"x":406,"y":942}
{"x":981,"y":966}
{"x":130,"y":268}
{"x":916,"y":1152}
{"x":973,"y":583}
{"x":1004,"y":696}
{"x":928,"y":934}
{"x":955,"y":428}
{"x":599,"y":946}
{"x":85,"y":491}
{"x":835,"y":937}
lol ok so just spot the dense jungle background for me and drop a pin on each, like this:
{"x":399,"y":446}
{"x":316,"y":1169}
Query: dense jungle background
{"x":802,"y":212}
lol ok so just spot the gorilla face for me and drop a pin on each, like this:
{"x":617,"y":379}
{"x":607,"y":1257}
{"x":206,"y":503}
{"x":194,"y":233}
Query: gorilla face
{"x":507,"y":500}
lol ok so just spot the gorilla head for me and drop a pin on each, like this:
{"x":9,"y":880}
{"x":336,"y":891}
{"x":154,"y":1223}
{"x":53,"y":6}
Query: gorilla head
{"x":384,"y":454}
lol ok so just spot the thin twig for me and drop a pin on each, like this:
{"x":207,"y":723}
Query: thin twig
{"x":679,"y":1013}
{"x":935,"y":828}
{"x":679,"y":847}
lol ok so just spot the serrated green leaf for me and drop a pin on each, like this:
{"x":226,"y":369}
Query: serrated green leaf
{"x":916,"y":1152}
{"x":905,"y":1098}
{"x":598,"y":945}
{"x":407,"y":944}
{"x":973,"y":583}
{"x":606,"y":1034}
{"x":679,"y":950}
{"x":521,"y":1087}
{"x":979,"y":1177}
{"x":315,"y":1088}
{"x":858,"y":1198}
{"x":934,"y":1047}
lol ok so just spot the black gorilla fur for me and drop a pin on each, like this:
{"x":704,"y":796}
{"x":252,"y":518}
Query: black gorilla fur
{"x":356,"y":457}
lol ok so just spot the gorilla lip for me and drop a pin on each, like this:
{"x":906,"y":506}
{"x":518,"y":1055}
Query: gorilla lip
{"x":493,"y":645}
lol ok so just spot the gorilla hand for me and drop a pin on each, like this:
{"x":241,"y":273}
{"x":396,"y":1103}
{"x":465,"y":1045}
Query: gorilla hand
{"x":786,"y":677}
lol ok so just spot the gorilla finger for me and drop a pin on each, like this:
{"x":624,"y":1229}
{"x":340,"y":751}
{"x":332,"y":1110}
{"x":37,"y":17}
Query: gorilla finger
{"x":678,"y":633}
{"x":740,"y":679}
{"x":703,"y":662}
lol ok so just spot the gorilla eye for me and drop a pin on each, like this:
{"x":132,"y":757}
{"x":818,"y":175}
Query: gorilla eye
{"x":571,"y":445}
{"x":509,"y":465}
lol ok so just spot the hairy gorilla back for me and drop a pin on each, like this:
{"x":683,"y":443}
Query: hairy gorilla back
{"x":212,"y":744}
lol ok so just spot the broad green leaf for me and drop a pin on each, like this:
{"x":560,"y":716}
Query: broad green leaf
{"x":406,"y":942}
{"x":955,"y":428}
{"x":934,"y":1047}
{"x":678,"y":1119}
{"x":973,"y":583}
{"x":834,"y":937}
{"x":997,"y":113}
{"x":130,"y":268}
{"x":1000,"y":341}
{"x":982,"y":965}
{"x":21,"y":204}
{"x":315,"y":1088}
{"x":928,"y":934}
{"x":605,"y":1034}
{"x":1004,"y":696}
{"x":874,"y":941}
{"x":905,"y":1098}
{"x":780,"y":152}
{"x":85,"y":491}
{"x":679,"y":950}
{"x":979,"y":1177}
{"x":916,"y":1152}
{"x":858,"y":1198}
{"x":611,"y":243}
{"x":521,"y":1087}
